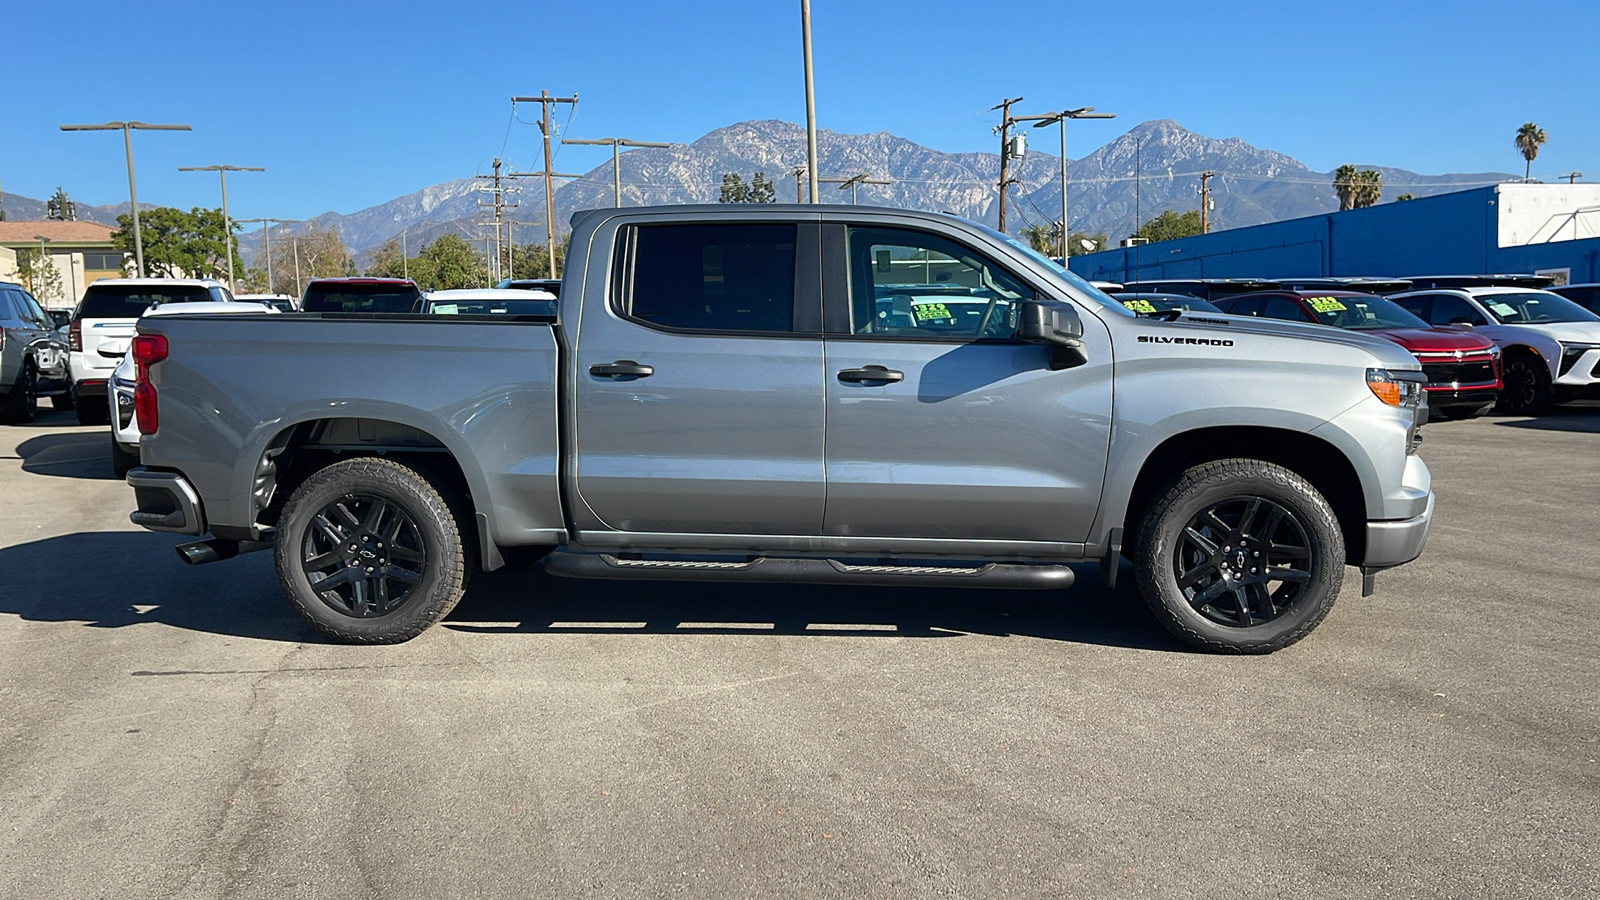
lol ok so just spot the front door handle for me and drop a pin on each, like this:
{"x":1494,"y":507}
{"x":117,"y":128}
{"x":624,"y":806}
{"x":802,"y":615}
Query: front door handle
{"x":622,"y":368}
{"x":870,"y":375}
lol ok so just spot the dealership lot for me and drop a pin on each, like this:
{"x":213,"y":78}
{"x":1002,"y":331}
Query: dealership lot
{"x":176,"y":732}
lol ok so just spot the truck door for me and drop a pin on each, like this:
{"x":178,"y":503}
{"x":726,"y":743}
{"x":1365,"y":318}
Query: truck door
{"x":698,"y":381}
{"x":942,"y":425}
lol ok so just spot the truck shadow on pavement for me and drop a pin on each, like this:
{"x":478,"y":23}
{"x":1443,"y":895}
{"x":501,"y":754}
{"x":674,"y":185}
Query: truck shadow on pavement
{"x":523,"y":599}
{"x":1582,"y":418}
{"x":69,"y":455}
{"x":118,"y":579}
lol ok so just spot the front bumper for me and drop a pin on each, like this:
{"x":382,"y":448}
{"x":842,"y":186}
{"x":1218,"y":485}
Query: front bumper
{"x":166,"y":502}
{"x":1396,"y":542}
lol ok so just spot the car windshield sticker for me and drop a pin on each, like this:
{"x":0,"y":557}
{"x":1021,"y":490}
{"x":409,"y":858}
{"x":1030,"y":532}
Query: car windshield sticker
{"x":1502,"y":309}
{"x":446,"y":309}
{"x":926,"y":311}
{"x":1325,"y":304}
{"x":1144,"y":306}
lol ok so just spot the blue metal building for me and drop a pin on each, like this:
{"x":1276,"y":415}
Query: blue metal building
{"x":1548,"y":228}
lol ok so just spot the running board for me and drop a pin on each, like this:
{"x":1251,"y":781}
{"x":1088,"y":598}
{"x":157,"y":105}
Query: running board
{"x":770,"y":570}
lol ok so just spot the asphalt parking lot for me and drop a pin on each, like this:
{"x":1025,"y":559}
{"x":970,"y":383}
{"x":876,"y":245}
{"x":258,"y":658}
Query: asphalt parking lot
{"x":177,"y":732}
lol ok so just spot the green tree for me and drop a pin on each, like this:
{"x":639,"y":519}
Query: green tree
{"x":40,"y":274}
{"x":1042,"y":238}
{"x":385,"y":262}
{"x":533,"y":260}
{"x":60,"y":208}
{"x":1403,"y":197}
{"x":759,"y":190}
{"x":1530,"y":138}
{"x":449,"y":262}
{"x":1357,"y":189}
{"x":1171,"y":226}
{"x":178,"y":243}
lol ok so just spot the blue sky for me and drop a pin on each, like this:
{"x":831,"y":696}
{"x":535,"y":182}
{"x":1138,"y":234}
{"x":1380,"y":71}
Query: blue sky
{"x":348,"y":104}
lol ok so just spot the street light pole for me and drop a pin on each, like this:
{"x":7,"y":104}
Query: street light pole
{"x":1060,"y":118}
{"x":227,"y":227}
{"x":811,"y":100}
{"x":266,"y":235}
{"x":616,"y":157}
{"x":133,"y":194}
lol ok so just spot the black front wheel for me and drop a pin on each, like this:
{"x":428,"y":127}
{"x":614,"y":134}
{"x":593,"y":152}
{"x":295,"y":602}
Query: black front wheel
{"x":92,"y":411}
{"x":369,"y":552}
{"x":1240,"y":556}
{"x":1527,"y":387}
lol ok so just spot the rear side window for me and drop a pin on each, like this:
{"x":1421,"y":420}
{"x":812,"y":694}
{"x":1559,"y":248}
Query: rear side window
{"x":713,"y":277}
{"x":1452,"y":310}
{"x":364,"y":298}
{"x":129,"y":301}
{"x":1279,"y":308}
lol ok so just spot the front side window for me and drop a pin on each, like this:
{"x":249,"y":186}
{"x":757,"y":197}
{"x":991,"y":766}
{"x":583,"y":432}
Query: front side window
{"x":1534,"y":308}
{"x":1451,"y":310}
{"x":913,"y":284}
{"x":1281,"y":308}
{"x":735,"y":277}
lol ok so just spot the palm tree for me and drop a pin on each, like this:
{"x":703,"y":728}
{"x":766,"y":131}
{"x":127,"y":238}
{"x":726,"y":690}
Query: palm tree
{"x":1529,"y":138}
{"x":1344,"y":185}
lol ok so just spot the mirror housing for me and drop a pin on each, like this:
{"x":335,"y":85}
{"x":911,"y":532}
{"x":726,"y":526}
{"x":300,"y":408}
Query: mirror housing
{"x":1057,"y":326}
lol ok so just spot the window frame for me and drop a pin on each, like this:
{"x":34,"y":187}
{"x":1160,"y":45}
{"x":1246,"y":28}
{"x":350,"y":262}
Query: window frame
{"x":839,"y":284}
{"x":805,"y":317}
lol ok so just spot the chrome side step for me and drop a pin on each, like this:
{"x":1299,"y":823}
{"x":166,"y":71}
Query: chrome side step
{"x":1015,"y":576}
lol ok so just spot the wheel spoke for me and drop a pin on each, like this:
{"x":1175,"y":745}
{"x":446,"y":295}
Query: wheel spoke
{"x":1209,"y":517}
{"x":1211,"y":592}
{"x":383,"y":594}
{"x":1187,"y":580}
{"x":1244,"y":605}
{"x":392,"y":533}
{"x":404,"y":554}
{"x":326,"y":560}
{"x":375,"y":515}
{"x":1293,"y":576}
{"x":399,"y":574}
{"x":331,"y":531}
{"x":1247,"y":520}
{"x":344,"y":513}
{"x":343,"y":576}
{"x":1269,"y":609}
{"x":1274,"y":518}
{"x":1288,"y":550}
{"x":1200,"y":540}
{"x":358,"y":594}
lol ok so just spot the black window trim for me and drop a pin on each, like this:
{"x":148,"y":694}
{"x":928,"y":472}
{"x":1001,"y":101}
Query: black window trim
{"x":807,"y":240}
{"x":836,"y":287}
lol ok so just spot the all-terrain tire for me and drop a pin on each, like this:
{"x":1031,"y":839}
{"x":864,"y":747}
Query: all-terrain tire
{"x":22,"y":403}
{"x":62,"y":400}
{"x":121,"y":460}
{"x":1170,"y":549}
{"x":93,"y":411}
{"x":338,"y":501}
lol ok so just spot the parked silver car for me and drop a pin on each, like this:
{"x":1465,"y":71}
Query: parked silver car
{"x":33,"y":360}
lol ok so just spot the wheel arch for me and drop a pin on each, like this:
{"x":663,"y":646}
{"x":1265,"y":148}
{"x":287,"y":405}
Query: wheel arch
{"x":299,"y":449}
{"x":1313,"y":458}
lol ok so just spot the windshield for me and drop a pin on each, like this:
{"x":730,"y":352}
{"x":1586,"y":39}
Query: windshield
{"x":1362,"y":313}
{"x":1149,"y":303}
{"x":368,"y":298}
{"x":1533,"y":308}
{"x":129,"y":301}
{"x":492,"y":307}
{"x":1056,"y":269}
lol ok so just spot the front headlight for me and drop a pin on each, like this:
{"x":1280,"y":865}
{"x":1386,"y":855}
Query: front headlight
{"x":1396,"y":388}
{"x":1571,"y":353}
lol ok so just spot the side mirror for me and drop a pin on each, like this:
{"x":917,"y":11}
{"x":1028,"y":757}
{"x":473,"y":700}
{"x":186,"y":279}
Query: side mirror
{"x":1056,"y":325}
{"x":1462,"y":320}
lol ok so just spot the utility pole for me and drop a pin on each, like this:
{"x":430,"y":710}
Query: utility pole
{"x":1060,"y":118}
{"x":854,"y":182}
{"x":266,"y":235}
{"x":227,"y":226}
{"x":499,"y":206}
{"x":545,"y":100}
{"x":133,"y":195}
{"x":616,"y":157}
{"x":1205,"y":201}
{"x":799,"y":190}
{"x":1571,"y":177}
{"x":811,"y":98}
{"x":1005,"y":151}
{"x":405,"y":255}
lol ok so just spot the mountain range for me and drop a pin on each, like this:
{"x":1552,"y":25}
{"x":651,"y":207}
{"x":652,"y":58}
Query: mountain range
{"x":1153,"y":167}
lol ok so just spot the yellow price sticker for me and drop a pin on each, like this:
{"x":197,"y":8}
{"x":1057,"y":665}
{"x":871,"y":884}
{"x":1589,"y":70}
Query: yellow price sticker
{"x":1326,"y":304}
{"x":1144,"y":306}
{"x":925,"y":311}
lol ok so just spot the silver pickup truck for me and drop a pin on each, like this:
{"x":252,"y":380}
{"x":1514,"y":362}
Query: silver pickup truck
{"x":790,"y":394}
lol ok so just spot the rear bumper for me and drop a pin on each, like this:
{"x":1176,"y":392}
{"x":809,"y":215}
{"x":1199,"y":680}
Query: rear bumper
{"x":93,"y":387}
{"x":166,"y":502}
{"x":1397,"y":542}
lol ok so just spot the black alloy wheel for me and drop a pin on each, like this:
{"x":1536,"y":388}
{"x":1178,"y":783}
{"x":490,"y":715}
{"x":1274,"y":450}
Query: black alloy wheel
{"x":1526,"y":390}
{"x":1242,"y":562}
{"x":363,"y":556}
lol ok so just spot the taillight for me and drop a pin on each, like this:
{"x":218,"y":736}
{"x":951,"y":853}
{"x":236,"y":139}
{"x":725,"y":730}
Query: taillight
{"x":75,"y":335}
{"x":148,"y":349}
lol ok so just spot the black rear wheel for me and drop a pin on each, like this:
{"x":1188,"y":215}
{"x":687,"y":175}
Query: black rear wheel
{"x":22,"y":403}
{"x":1527,"y":386}
{"x":1240,"y":556}
{"x":92,"y":411}
{"x":369,"y":551}
{"x":122,"y":460}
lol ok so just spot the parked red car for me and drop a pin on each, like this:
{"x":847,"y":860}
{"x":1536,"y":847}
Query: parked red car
{"x":1463,"y":368}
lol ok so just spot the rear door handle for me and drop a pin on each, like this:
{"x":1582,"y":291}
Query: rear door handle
{"x":870,"y":374}
{"x":622,"y":368}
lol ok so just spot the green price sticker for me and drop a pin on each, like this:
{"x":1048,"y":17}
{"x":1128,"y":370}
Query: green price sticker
{"x":1144,"y":306}
{"x":926,"y":311}
{"x":1326,"y":304}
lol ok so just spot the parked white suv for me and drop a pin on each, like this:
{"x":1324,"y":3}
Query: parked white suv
{"x":125,"y":425}
{"x":1550,"y":346}
{"x":103,"y":324}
